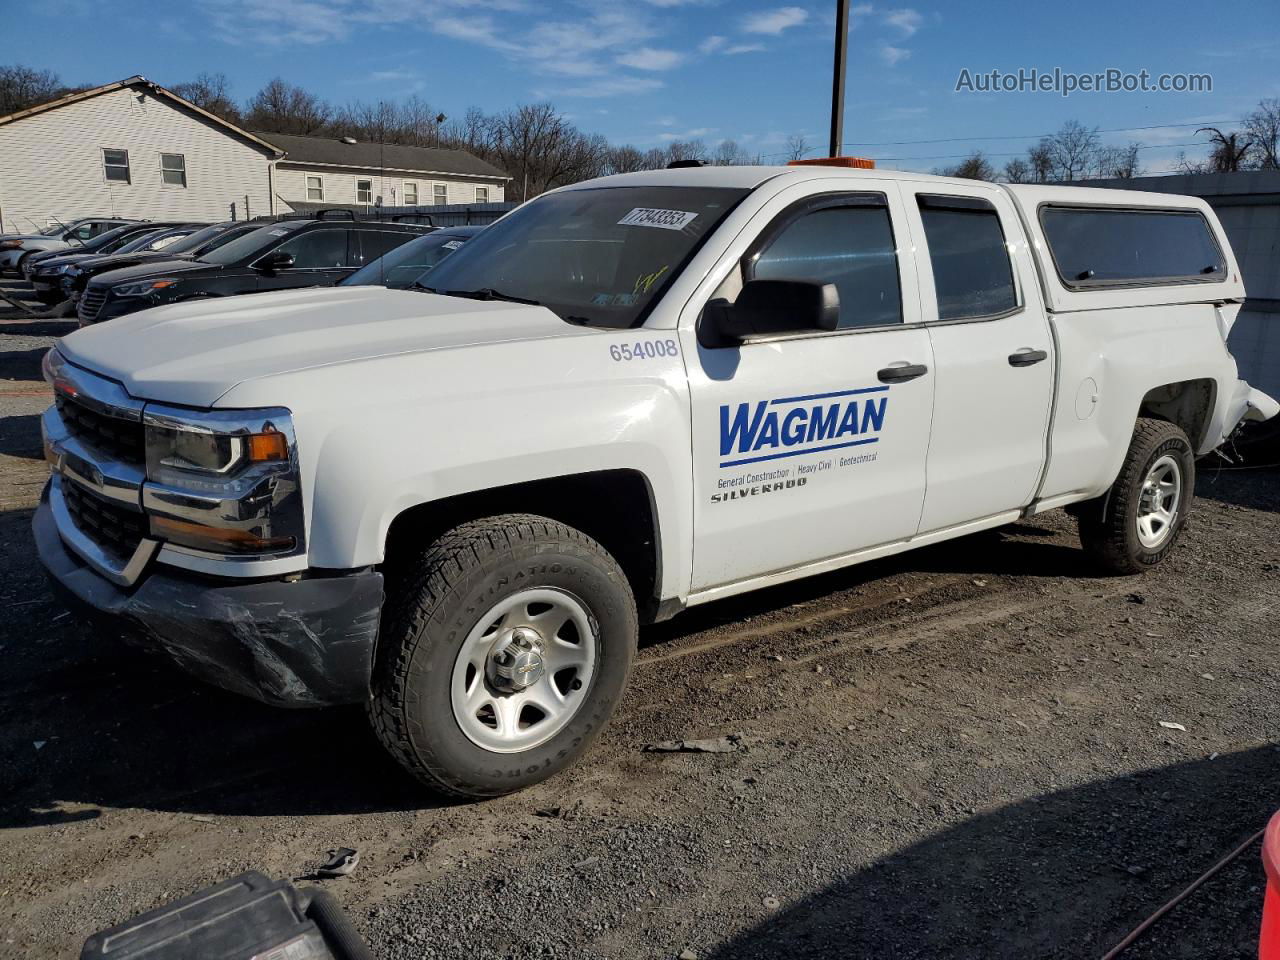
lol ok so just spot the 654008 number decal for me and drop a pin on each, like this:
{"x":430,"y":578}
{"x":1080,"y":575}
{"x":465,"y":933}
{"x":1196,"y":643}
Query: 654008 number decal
{"x":644,"y":350}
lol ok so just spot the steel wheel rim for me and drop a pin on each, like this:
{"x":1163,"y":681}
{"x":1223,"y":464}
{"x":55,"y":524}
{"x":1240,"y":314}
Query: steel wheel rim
{"x":502,"y":719}
{"x":1159,"y":501}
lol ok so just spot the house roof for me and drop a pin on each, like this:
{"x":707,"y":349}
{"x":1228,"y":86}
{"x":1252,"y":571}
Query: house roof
{"x":332,"y":152}
{"x":155,"y":90}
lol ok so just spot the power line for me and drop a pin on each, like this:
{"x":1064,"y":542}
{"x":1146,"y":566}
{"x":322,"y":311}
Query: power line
{"x":1034,"y":136}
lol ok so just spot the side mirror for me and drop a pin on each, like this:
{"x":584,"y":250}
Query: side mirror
{"x":770,"y":307}
{"x":276,"y":261}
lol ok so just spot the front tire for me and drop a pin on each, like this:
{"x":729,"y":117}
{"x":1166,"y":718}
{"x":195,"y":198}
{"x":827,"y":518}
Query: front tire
{"x":1135,"y":525}
{"x":503,"y":654}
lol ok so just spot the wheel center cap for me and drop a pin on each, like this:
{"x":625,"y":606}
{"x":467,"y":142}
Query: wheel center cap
{"x":517,"y":662}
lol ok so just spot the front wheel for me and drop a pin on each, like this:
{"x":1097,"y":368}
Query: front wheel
{"x":1135,"y":525}
{"x":502,"y":655}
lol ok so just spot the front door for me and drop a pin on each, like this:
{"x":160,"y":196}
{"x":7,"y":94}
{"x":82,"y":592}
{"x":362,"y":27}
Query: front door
{"x":992,"y":348}
{"x":320,"y":259}
{"x":813,"y":446}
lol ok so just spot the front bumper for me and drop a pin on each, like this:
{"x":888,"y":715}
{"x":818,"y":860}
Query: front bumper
{"x":299,"y":643}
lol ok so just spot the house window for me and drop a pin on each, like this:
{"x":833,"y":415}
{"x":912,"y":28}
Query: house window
{"x":173,"y":169}
{"x":441,"y":193}
{"x":410,"y":193}
{"x":115,"y":165}
{"x":315,"y":188}
{"x":364,"y":191}
{"x":482,"y":194}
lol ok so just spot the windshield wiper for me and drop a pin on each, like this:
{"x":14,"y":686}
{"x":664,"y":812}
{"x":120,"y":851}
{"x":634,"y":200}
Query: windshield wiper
{"x":488,"y":293}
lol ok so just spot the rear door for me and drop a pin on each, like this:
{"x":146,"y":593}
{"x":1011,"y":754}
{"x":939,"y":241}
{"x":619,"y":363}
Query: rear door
{"x":373,"y":244}
{"x":992,"y":350}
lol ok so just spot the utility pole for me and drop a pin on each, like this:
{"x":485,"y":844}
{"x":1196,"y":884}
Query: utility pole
{"x":837,"y":78}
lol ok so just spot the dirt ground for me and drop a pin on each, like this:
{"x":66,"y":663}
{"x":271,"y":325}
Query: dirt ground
{"x":954,"y":753}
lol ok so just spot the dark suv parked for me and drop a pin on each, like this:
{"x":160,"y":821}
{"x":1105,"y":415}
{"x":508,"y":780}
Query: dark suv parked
{"x":106,"y":242}
{"x":189,"y":247}
{"x":47,"y":275}
{"x":276,"y":256}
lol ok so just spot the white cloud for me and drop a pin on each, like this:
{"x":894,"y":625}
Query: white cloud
{"x":738,"y":48}
{"x":603,"y":87}
{"x":647,"y":58}
{"x":693,"y":134}
{"x":907,"y":21}
{"x":893,"y":55}
{"x":711,"y":44}
{"x":773,"y":22}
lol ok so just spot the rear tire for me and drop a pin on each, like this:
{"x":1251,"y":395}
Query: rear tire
{"x":1135,"y":525}
{"x":475,"y":618}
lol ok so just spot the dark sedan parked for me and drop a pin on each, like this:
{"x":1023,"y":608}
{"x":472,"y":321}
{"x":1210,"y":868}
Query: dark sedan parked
{"x":277,"y":256}
{"x":190,"y":247}
{"x":106,"y":242}
{"x":47,"y":275}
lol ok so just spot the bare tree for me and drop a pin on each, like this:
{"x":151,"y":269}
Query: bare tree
{"x":1263,"y":128}
{"x":1229,"y":150}
{"x":22,"y":87}
{"x":1185,"y":165}
{"x":686,"y":150}
{"x":1118,"y":163}
{"x":727,"y":154}
{"x":282,"y":107}
{"x":625,"y":159}
{"x":797,"y":146}
{"x":655,"y":159}
{"x":1017,"y":170}
{"x":212,"y":92}
{"x":973,"y":167}
{"x":1040,"y":160}
{"x":1072,"y":150}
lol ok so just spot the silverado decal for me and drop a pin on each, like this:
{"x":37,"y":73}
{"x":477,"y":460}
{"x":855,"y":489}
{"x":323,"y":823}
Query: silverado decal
{"x":795,"y":426}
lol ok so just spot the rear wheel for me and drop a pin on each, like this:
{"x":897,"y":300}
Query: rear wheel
{"x":502,"y":655}
{"x":1140,"y":519}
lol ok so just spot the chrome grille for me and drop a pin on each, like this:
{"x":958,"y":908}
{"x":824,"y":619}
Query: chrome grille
{"x":121,"y":439}
{"x":91,"y":302}
{"x":109,"y":525}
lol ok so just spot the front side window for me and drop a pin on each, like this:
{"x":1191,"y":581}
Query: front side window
{"x":115,"y":165}
{"x":317,"y":250}
{"x":315,"y":188}
{"x":441,"y":193}
{"x":410,"y":193}
{"x":248,"y":246}
{"x":972,"y":273}
{"x":1097,"y":245}
{"x":173,"y":169}
{"x":364,"y":191}
{"x":598,"y":255}
{"x":850,"y":246}
{"x":482,"y":194}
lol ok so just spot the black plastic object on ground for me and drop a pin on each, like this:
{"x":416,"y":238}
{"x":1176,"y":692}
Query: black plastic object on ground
{"x":245,"y":917}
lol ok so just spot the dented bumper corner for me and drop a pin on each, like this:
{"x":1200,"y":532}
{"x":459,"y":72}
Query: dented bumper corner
{"x":305,"y":643}
{"x":1247,"y":405}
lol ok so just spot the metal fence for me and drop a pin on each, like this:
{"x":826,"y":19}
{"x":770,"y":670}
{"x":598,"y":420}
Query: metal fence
{"x":442,"y":215}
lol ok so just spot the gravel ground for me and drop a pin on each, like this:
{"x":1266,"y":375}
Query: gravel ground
{"x":954,"y":753}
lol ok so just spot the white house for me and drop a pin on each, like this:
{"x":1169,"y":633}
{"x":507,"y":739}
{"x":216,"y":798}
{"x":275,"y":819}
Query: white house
{"x":129,"y":149}
{"x":323,"y":171}
{"x":135,"y":149}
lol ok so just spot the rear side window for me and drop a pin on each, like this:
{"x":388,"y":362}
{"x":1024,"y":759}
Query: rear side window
{"x":972,"y":274}
{"x":850,"y":246}
{"x":1094,"y":246}
{"x":375,"y":243}
{"x":317,"y":249}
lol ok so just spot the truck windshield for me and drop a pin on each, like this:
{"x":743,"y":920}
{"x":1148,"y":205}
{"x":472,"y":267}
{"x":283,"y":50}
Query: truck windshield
{"x":599,"y":255}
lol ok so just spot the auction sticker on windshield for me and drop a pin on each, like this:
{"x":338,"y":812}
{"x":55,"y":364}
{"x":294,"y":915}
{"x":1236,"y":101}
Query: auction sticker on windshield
{"x":653,"y":217}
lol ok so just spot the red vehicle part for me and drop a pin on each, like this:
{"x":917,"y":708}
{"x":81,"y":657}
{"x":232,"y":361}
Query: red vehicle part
{"x":1269,"y":941}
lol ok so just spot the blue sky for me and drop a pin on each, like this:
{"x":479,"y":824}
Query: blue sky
{"x":650,"y":71}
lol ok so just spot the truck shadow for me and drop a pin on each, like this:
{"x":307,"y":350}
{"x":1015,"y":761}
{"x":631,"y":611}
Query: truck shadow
{"x":1255,"y":487}
{"x":1061,"y":875}
{"x":20,"y":436}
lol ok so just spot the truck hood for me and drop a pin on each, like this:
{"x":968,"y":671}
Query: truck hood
{"x":192,"y":353}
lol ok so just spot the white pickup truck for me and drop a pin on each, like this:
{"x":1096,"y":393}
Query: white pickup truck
{"x":457,"y":503}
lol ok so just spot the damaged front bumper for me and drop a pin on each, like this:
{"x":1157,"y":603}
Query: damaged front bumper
{"x":296,"y":643}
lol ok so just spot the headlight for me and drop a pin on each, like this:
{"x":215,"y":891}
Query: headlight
{"x":65,"y":268}
{"x":10,"y":244}
{"x":223,"y":482}
{"x":142,"y":288}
